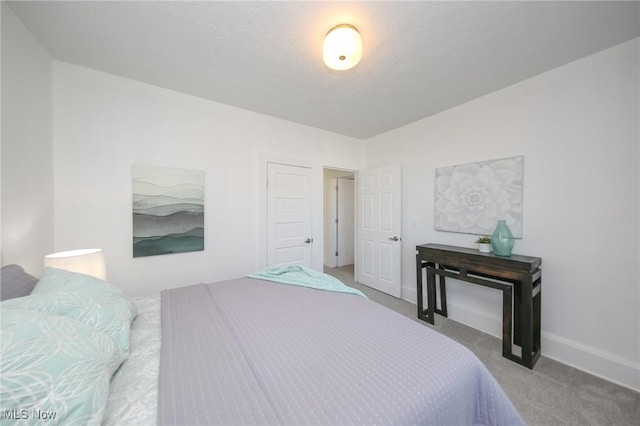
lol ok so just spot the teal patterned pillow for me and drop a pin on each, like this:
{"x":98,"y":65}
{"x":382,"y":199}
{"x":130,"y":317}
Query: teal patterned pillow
{"x":84,"y":298}
{"x":54,"y":367}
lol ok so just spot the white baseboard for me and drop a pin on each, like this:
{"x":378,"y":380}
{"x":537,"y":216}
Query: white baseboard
{"x":601,"y":364}
{"x":593,"y":361}
{"x":410,"y":294}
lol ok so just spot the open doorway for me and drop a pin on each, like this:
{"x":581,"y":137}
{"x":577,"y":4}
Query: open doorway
{"x":339,"y":223}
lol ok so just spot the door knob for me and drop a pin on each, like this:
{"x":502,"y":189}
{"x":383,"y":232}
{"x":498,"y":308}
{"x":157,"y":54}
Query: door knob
{"x":394,"y":238}
{"x":308,"y":240}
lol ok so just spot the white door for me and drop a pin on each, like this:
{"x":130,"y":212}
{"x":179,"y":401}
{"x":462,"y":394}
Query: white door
{"x":289,"y":215}
{"x":345,"y":221}
{"x":379,"y":226}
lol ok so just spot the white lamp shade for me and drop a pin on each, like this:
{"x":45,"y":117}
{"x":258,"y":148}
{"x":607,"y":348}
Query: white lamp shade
{"x":342,"y":48}
{"x":85,"y":261}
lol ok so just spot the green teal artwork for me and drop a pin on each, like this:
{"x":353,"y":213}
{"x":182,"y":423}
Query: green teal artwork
{"x":168,"y":210}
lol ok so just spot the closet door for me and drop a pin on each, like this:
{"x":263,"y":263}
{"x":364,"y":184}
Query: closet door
{"x":289,"y":215}
{"x":345,"y":225}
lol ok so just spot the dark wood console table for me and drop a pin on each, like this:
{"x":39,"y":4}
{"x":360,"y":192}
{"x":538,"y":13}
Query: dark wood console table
{"x":518,"y":277}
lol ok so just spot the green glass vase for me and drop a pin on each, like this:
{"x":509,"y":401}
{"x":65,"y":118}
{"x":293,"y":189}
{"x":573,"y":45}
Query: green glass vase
{"x":502,"y":240}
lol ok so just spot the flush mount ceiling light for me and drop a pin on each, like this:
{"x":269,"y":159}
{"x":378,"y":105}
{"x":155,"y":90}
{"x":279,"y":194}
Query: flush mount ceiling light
{"x":342,"y":48}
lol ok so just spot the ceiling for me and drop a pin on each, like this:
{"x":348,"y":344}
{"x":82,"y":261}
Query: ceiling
{"x":419,"y":58}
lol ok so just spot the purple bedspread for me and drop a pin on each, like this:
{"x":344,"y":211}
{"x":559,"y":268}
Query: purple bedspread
{"x":248,"y":351}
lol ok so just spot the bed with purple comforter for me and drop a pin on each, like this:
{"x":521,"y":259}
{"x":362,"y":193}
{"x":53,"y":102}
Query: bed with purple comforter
{"x":250,"y":351}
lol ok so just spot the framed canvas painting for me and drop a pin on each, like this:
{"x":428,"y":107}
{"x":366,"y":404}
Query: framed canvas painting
{"x":168,"y":210}
{"x":471,"y":198}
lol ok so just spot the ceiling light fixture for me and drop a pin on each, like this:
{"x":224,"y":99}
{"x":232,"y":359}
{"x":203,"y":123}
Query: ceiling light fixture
{"x":342,"y":48}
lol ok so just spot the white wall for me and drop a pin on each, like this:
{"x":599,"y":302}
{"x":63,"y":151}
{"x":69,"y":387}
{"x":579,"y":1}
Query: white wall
{"x":27,"y":147}
{"x":104,"y":124}
{"x":577,"y":127}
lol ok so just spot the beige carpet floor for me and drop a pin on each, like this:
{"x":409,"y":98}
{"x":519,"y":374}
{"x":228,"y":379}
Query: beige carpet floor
{"x":550,"y":394}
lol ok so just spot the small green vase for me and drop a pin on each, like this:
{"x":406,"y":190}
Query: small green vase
{"x":502,"y":240}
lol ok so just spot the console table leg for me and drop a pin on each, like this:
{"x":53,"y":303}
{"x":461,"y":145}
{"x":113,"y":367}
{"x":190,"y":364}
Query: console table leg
{"x":526,"y":316}
{"x":431,"y":295}
{"x":419,"y":286}
{"x":517,"y":313}
{"x":536,"y":319}
{"x":443,"y":294}
{"x":507,"y":325}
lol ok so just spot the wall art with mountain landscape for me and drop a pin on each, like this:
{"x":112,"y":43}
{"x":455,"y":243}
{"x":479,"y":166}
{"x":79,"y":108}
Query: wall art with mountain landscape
{"x":168,"y":210}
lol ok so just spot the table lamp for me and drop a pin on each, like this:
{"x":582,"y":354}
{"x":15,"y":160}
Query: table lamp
{"x":83,"y":261}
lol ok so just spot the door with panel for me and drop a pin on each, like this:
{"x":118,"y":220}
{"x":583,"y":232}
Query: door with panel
{"x":345,"y":227}
{"x":289,"y":215}
{"x":379,"y":228}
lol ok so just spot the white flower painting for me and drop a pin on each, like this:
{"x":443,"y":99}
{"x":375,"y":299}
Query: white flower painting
{"x":471,"y":198}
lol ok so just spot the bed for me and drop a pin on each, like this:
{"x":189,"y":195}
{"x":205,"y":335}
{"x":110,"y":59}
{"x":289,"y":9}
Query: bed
{"x":256,"y":351}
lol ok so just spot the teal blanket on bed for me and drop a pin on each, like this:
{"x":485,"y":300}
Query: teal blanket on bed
{"x":305,"y":277}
